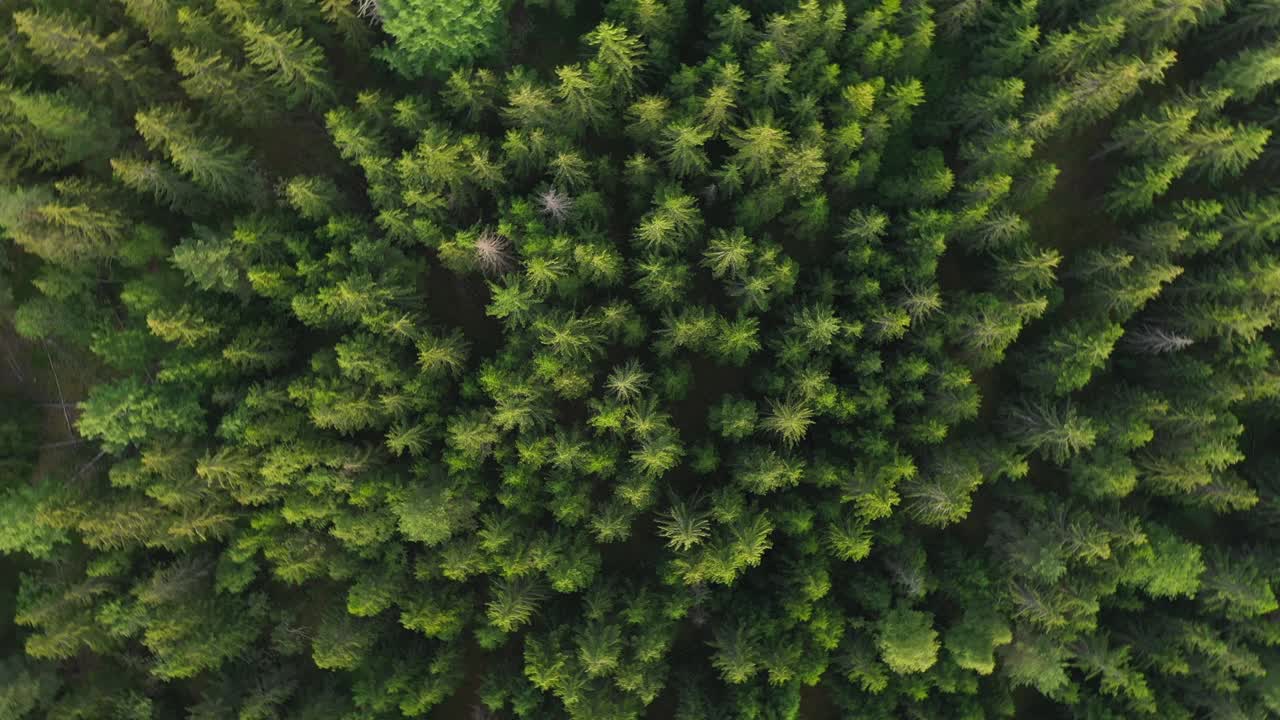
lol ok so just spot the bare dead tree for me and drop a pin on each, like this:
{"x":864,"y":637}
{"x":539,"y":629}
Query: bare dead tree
{"x":1154,"y":340}
{"x":493,"y":252}
{"x":710,"y":193}
{"x":555,"y":204}
{"x":370,"y":10}
{"x":908,"y":577}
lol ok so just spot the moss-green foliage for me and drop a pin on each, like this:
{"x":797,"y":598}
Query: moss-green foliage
{"x":21,"y":495}
{"x":647,"y":358}
{"x":907,"y":641}
{"x":432,"y":37}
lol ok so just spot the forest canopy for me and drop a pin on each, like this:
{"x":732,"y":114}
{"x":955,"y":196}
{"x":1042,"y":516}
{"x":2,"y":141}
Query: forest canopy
{"x":692,"y":359}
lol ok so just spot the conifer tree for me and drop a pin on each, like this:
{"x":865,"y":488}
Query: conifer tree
{"x":435,"y":36}
{"x":104,"y":64}
{"x":49,"y":131}
{"x":213,"y":163}
{"x":232,"y":92}
{"x":292,"y":62}
{"x":73,"y":225}
{"x":910,"y":359}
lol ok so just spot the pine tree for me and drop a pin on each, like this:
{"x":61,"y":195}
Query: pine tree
{"x":513,"y":602}
{"x":76,"y":225}
{"x":759,"y":146}
{"x":236,"y":94}
{"x":1164,"y":23}
{"x":1057,"y":432}
{"x":1248,"y":73}
{"x":1097,"y":92}
{"x":684,"y":526}
{"x":942,"y":494}
{"x":1153,"y":134}
{"x":292,"y":61}
{"x":126,"y":412}
{"x":182,"y":326}
{"x":160,"y":182}
{"x":439,"y":35}
{"x":907,"y":641}
{"x":315,"y":198}
{"x":48,"y":131}
{"x":1139,"y":186}
{"x":581,"y":100}
{"x":985,"y":327}
{"x":974,"y":639}
{"x":736,"y":340}
{"x":214,"y":163}
{"x":1083,"y":46}
{"x":619,"y":56}
{"x":1221,"y":151}
{"x":683,"y":148}
{"x":71,"y":48}
{"x":736,"y":654}
{"x":529,"y":105}
{"x":1070,"y":355}
{"x":159,"y":18}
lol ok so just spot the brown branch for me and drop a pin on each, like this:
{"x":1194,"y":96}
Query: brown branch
{"x":63,"y":443}
{"x":13,"y":361}
{"x":65,"y":415}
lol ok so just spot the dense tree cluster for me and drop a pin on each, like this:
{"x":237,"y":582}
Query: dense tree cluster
{"x":640,"y":359}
